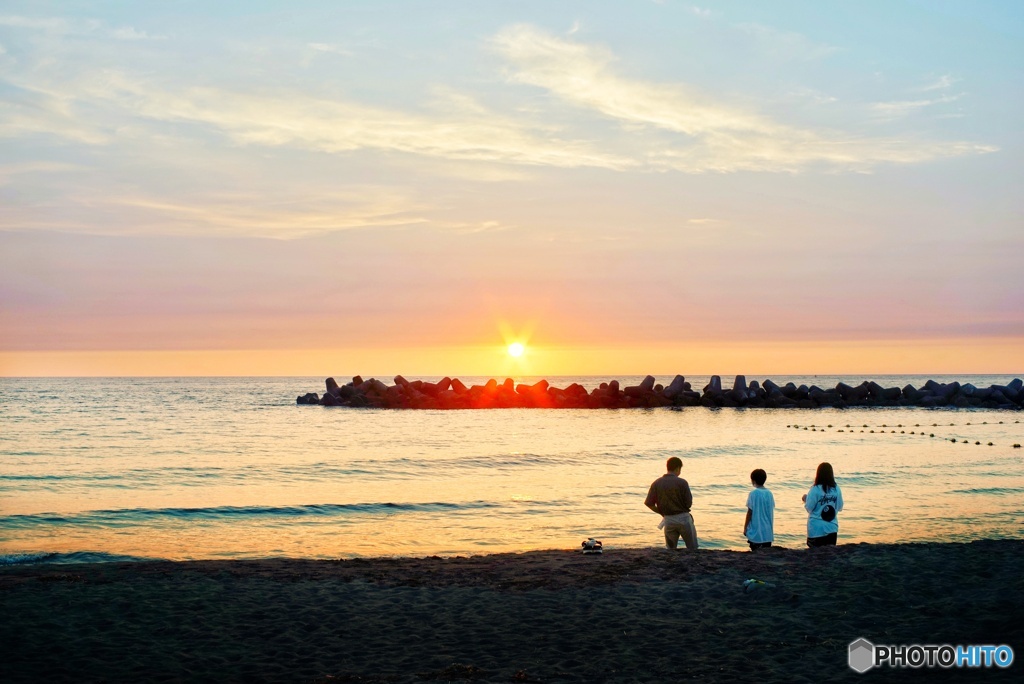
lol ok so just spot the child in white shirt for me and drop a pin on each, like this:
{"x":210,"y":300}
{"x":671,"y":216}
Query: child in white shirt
{"x":759,"y":525}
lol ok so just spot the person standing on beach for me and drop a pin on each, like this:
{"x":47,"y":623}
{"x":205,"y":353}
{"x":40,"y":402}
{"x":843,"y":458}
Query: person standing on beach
{"x":823,"y":503}
{"x":669,"y":497}
{"x":759,"y":525}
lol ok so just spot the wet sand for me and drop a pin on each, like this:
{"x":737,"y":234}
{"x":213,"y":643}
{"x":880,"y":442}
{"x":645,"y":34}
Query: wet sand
{"x":630,"y":615}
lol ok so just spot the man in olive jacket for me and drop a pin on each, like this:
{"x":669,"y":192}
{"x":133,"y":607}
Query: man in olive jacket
{"x":670,"y":498}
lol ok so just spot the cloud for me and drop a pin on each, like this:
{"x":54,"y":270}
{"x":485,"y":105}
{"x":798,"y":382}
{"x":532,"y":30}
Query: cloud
{"x":711,"y":135}
{"x":291,"y":217}
{"x":81,"y":27}
{"x":633,"y":125}
{"x":941,"y":83}
{"x":466,"y":133}
{"x":8,"y":170}
{"x":30,"y":111}
{"x":786,"y":45}
{"x":699,"y":11}
{"x":282,"y":212}
{"x":130,"y":33}
{"x":327,"y":47}
{"x":902,"y":108}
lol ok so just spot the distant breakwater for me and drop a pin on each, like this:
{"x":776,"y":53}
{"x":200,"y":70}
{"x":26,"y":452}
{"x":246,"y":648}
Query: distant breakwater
{"x":453,"y":394}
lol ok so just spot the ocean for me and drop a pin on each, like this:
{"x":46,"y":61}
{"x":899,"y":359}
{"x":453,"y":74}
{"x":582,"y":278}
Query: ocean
{"x":95,"y":469}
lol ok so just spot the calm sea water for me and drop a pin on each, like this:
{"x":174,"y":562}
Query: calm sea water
{"x":186,"y":468}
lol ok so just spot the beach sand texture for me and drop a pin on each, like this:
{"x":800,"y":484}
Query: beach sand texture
{"x":630,"y":615}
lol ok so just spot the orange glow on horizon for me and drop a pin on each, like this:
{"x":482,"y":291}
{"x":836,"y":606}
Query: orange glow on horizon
{"x":868,"y":358}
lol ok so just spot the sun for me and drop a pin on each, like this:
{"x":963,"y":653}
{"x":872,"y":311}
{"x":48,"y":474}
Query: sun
{"x":516,"y":349}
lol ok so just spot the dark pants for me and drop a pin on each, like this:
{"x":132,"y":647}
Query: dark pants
{"x":759,"y":545}
{"x":827,"y":540}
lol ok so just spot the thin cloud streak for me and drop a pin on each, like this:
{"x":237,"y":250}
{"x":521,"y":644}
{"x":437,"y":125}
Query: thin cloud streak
{"x":714,"y":136}
{"x":68,"y":27}
{"x":461,"y":133}
{"x":902,"y":108}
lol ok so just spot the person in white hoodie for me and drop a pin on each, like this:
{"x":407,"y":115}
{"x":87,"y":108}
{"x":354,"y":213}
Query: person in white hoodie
{"x":823,"y":502}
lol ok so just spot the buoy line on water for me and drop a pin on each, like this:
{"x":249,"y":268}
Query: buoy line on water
{"x":885,"y":428}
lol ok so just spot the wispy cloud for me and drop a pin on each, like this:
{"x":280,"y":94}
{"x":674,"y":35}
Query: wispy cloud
{"x":40,"y":111}
{"x":64,"y":26}
{"x":7,"y":170}
{"x":898,"y":109}
{"x":902,"y":108}
{"x":290,"y":217}
{"x":462,"y":129}
{"x":941,"y":83}
{"x":700,"y":11}
{"x":713,"y":135}
{"x":282,"y":213}
{"x":328,"y":47}
{"x":654,"y":126}
{"x":787,"y":45}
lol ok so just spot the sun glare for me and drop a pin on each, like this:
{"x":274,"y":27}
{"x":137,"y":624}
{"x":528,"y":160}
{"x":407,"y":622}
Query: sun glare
{"x":516,"y":349}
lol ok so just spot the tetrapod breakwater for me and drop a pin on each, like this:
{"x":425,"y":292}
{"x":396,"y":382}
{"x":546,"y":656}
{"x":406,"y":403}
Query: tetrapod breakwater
{"x":451,"y":393}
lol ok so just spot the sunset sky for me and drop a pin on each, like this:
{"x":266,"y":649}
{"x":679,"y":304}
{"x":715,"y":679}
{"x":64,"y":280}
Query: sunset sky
{"x":394,"y":187}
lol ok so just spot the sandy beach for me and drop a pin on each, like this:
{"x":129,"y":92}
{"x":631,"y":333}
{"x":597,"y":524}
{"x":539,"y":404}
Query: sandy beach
{"x":629,"y":615}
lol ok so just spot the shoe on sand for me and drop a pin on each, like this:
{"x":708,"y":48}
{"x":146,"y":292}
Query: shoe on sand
{"x":592,"y":546}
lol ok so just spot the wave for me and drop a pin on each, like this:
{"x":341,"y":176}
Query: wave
{"x":122,"y":517}
{"x":989,"y":491}
{"x":52,"y":558}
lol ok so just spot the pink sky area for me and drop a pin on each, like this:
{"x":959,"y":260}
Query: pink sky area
{"x":382,"y":188}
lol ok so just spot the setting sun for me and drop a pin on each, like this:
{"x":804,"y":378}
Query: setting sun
{"x":516,"y":349}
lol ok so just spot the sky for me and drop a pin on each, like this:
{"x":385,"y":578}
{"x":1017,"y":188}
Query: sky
{"x":317,"y":188}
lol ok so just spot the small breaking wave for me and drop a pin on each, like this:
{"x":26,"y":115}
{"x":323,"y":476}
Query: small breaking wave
{"x":133,"y":516}
{"x":52,"y":558}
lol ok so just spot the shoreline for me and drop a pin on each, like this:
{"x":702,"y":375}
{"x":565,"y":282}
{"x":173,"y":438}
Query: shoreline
{"x":641,"y":614}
